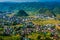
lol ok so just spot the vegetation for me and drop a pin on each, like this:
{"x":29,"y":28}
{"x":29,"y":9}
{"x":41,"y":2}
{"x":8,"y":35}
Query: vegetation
{"x":30,"y":21}
{"x":21,"y":13}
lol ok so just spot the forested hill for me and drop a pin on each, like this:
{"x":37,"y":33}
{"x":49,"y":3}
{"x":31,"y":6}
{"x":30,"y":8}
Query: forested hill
{"x":31,"y":7}
{"x":28,"y":5}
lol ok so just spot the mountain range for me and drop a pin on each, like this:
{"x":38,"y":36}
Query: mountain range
{"x":32,"y":8}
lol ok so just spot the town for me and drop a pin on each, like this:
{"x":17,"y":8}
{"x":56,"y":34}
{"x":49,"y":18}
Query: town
{"x":27,"y":26}
{"x":29,"y":20}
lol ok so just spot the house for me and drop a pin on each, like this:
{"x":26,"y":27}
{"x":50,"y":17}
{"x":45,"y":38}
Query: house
{"x":58,"y":26}
{"x":37,"y":28}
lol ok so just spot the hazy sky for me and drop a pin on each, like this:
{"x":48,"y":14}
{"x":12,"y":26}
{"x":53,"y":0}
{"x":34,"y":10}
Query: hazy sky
{"x":26,"y":0}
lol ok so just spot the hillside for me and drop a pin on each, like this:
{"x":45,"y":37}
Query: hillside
{"x":32,"y":8}
{"x":21,"y":13}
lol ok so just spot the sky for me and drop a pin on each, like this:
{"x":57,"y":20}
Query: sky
{"x":26,"y":0}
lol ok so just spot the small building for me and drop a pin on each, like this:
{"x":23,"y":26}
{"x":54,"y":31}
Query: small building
{"x":58,"y":26}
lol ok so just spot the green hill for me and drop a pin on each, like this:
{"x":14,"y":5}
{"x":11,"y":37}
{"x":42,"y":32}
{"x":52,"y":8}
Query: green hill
{"x":21,"y":13}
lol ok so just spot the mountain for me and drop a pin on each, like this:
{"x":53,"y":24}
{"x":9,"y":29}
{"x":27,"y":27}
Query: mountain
{"x":21,"y":13}
{"x":28,"y":5}
{"x":32,"y":8}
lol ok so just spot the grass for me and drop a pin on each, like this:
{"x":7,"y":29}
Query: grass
{"x":44,"y":22}
{"x":9,"y":37}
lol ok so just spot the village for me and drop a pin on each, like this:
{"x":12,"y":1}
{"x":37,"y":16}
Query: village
{"x":24,"y":26}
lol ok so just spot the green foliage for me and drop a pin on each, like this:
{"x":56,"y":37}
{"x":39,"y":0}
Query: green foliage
{"x":1,"y":29}
{"x":9,"y":38}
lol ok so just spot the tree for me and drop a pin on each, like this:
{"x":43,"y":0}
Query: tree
{"x":38,"y":38}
